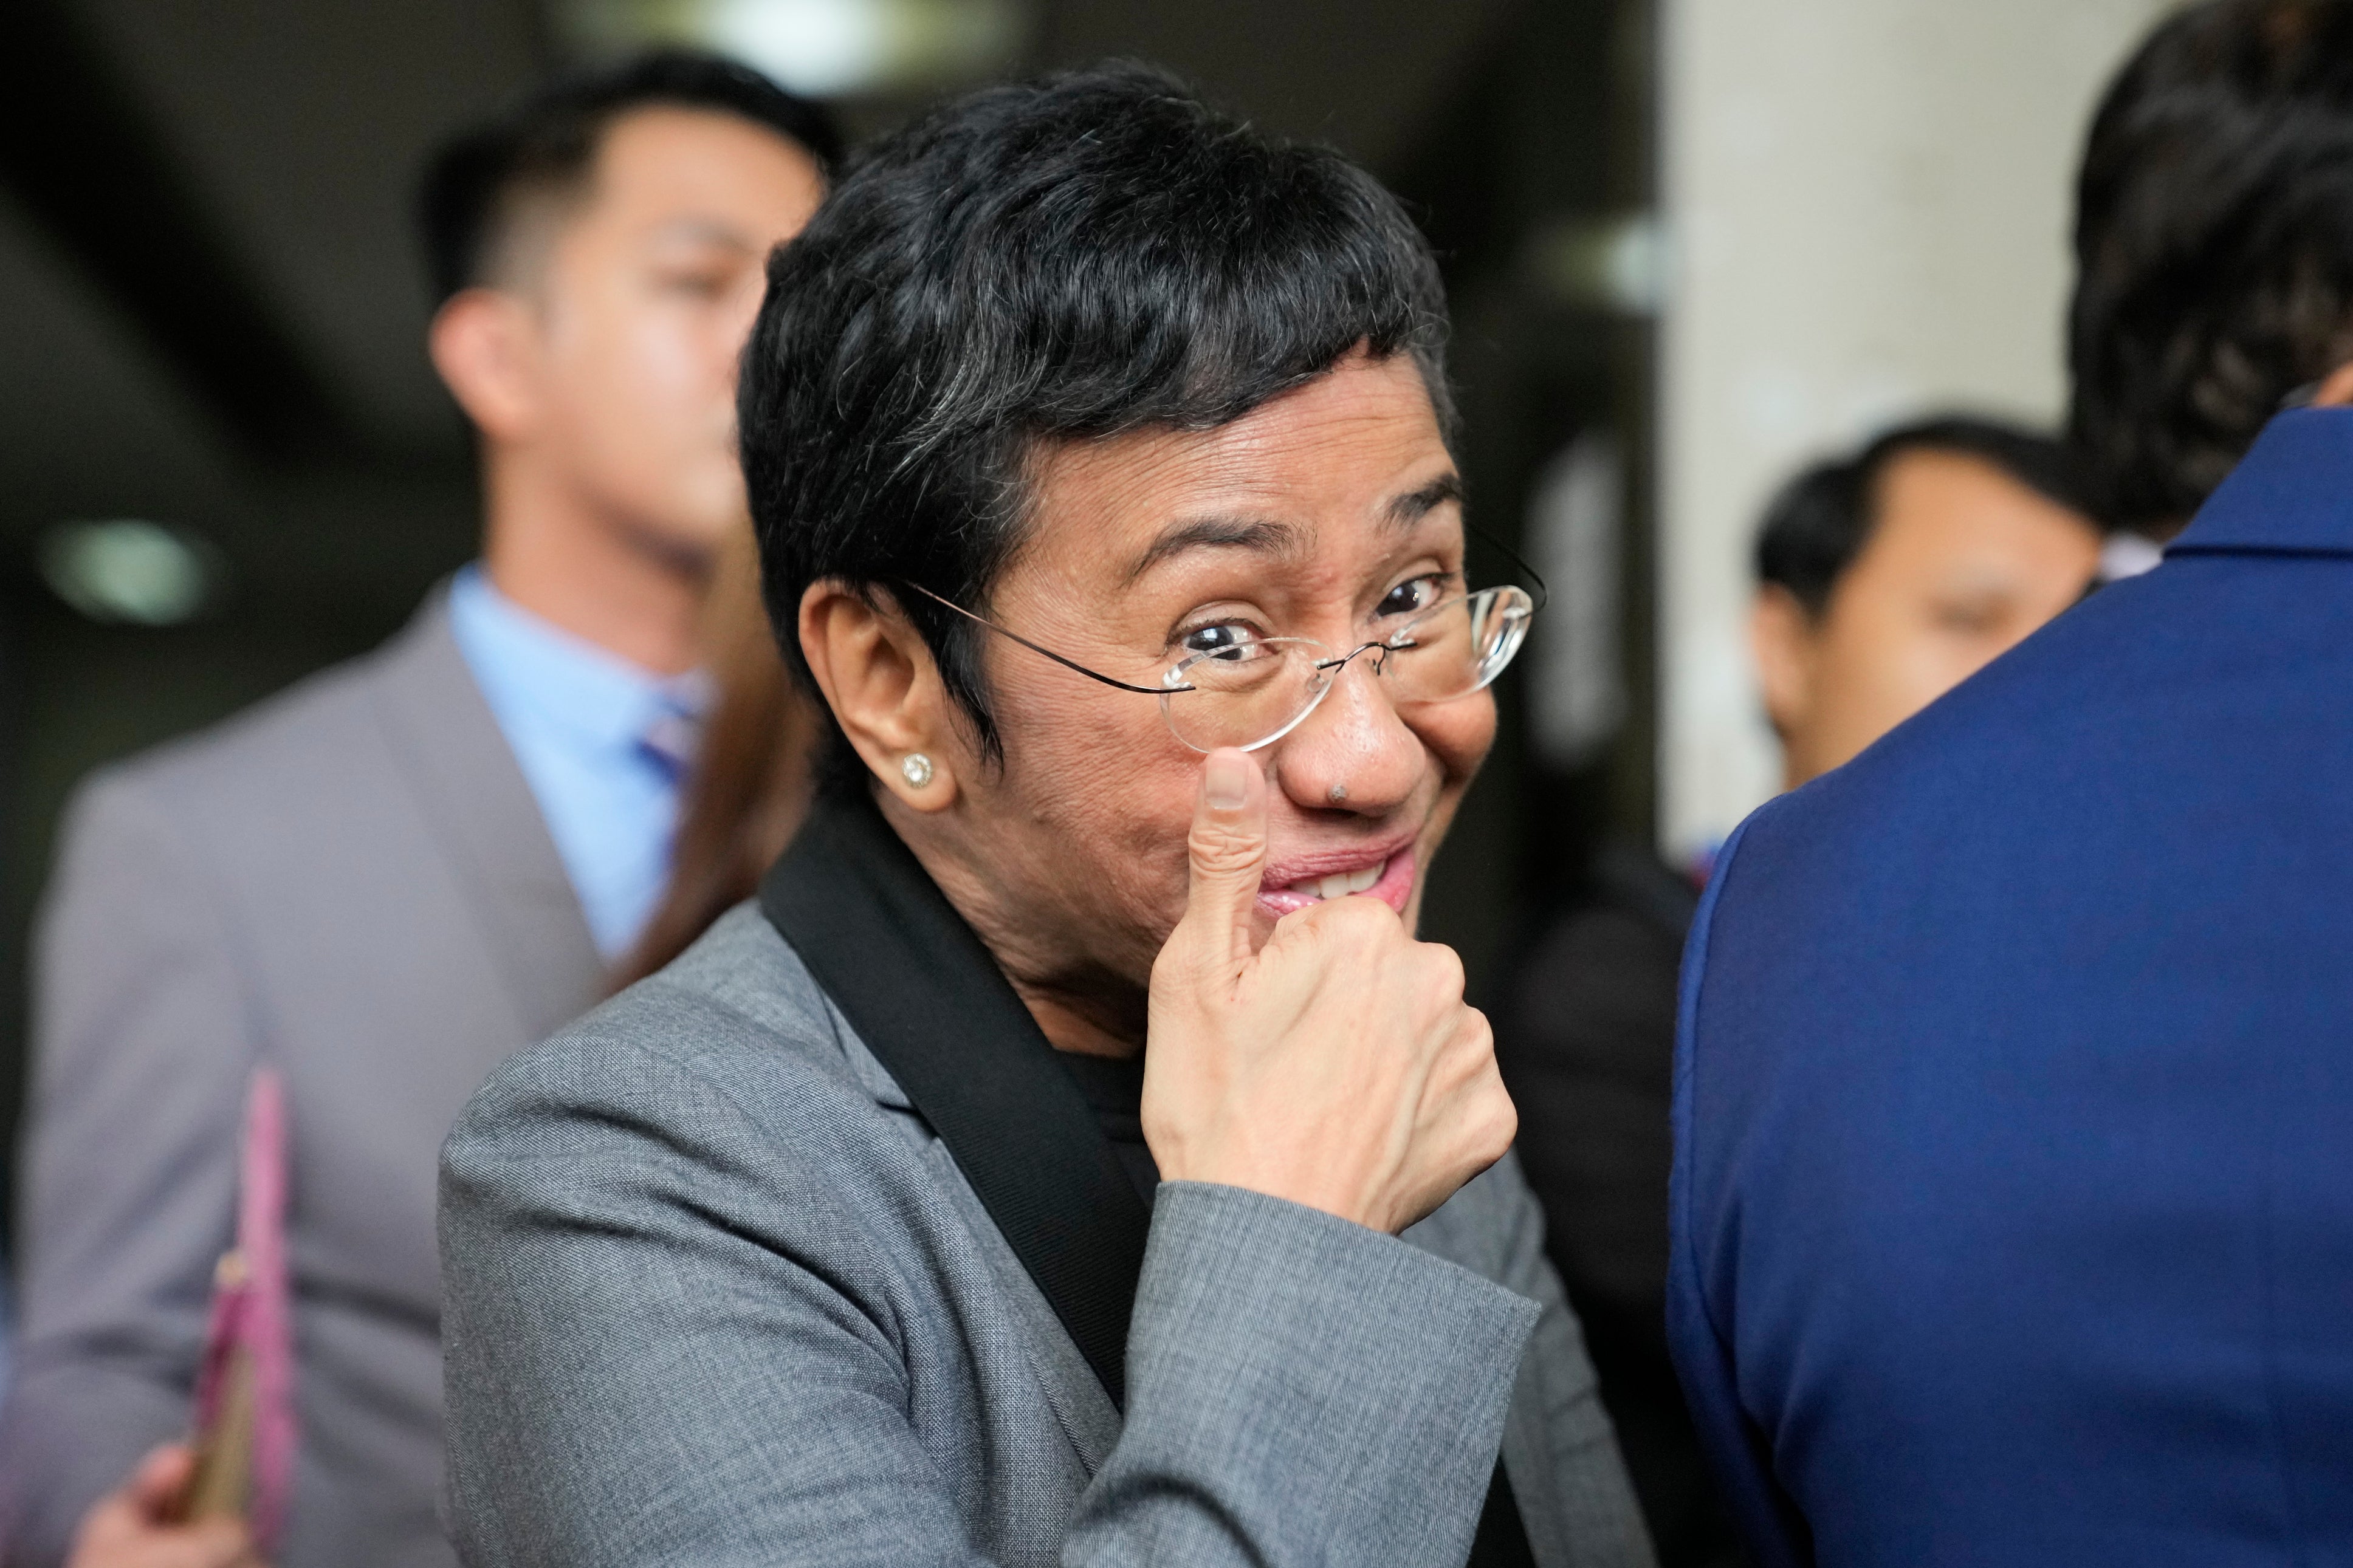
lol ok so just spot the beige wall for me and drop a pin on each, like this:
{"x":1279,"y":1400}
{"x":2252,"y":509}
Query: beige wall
{"x":1868,"y":202}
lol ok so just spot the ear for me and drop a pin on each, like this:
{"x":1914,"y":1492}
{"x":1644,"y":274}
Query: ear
{"x":884,"y":688}
{"x":485,"y":343}
{"x":2336,"y":389}
{"x":1781,"y":634}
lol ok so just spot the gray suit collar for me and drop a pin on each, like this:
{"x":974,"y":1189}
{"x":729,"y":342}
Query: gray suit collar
{"x":929,"y":999}
{"x":744,"y":965}
{"x":465,"y":776}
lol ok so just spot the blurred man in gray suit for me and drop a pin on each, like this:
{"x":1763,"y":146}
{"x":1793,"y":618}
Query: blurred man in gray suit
{"x":386,"y":879}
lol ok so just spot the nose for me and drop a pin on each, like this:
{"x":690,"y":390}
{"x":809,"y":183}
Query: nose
{"x":1354,"y":741}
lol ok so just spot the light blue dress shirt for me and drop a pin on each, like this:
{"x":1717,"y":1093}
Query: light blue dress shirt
{"x":602,"y":743}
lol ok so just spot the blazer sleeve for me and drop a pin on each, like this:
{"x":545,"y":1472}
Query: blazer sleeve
{"x":641,"y":1372}
{"x":1736,"y":1448}
{"x":142,"y":1044}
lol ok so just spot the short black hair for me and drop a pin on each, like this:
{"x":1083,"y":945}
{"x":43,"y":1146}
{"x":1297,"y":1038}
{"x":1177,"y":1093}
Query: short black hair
{"x":2213,"y":246}
{"x":1819,"y":520}
{"x":1074,"y":257}
{"x":547,"y":140}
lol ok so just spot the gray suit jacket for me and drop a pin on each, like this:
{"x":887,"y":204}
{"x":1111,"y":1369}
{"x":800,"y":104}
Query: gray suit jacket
{"x":352,"y":882}
{"x":717,"y":1296}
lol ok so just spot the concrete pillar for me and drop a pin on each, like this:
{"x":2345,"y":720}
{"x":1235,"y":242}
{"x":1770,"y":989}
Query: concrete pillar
{"x":1868,"y":203}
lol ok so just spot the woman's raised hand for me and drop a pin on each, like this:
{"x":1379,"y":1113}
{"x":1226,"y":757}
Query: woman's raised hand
{"x":1337,"y":1067}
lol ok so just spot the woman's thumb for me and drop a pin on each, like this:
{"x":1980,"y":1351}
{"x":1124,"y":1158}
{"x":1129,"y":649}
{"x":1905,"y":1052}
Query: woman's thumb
{"x":1227,"y":852}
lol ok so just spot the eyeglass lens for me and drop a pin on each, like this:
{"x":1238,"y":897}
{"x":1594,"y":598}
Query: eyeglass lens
{"x":1253,"y":694}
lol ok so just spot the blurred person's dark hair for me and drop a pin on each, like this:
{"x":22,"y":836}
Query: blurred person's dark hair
{"x":1092,"y":254}
{"x":749,"y":785}
{"x":1819,"y":522}
{"x":540,"y":150}
{"x":2213,"y":245}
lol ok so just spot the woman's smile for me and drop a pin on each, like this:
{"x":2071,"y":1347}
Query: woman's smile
{"x":1385,"y":873}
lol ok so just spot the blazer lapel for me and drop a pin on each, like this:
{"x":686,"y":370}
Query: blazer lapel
{"x":926,"y":997}
{"x":465,"y":776}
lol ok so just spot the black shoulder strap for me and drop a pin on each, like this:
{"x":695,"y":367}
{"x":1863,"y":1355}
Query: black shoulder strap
{"x":930,"y":1002}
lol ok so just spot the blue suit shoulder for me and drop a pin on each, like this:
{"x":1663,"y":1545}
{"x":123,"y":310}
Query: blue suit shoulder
{"x":2015,"y":1113}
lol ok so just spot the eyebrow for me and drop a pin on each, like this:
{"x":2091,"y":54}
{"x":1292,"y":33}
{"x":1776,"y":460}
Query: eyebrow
{"x":1260,"y":535}
{"x":1271,"y":538}
{"x":704,"y":231}
{"x":1403,"y":511}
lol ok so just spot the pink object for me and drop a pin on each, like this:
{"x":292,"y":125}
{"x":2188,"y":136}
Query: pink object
{"x":245,"y":1391}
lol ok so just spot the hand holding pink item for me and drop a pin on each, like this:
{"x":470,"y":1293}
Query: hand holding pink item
{"x":245,"y":1427}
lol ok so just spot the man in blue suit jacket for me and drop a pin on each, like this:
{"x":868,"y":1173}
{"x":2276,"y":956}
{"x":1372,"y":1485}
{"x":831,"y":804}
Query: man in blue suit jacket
{"x":2013,"y":1200}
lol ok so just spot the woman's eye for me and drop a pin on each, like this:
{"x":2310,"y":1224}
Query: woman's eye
{"x":1409,"y":598}
{"x":1227,"y":638}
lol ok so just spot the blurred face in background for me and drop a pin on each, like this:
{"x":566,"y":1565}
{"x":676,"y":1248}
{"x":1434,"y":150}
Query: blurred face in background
{"x":599,"y":360}
{"x":1960,"y":562}
{"x":644,"y":299}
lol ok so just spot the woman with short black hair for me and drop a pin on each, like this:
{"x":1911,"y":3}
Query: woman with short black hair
{"x":1071,"y":1155}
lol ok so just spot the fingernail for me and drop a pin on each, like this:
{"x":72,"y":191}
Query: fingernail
{"x":1226,"y":780}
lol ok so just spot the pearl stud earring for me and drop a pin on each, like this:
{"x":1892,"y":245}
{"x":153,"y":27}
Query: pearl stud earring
{"x":916,"y":768}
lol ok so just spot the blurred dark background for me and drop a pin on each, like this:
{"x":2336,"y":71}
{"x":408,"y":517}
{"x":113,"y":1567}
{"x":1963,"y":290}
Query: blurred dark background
{"x":226,"y":462}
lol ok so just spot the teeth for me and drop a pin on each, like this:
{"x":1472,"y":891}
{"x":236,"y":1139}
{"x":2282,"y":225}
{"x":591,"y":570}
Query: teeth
{"x":1340,"y":884}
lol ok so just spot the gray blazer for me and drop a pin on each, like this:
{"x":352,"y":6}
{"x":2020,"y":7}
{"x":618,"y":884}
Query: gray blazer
{"x":717,"y":1296}
{"x":350,"y":881}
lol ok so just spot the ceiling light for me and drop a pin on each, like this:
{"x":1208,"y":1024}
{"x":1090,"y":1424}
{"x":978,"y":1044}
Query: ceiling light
{"x":127,"y":570}
{"x":1620,"y":263}
{"x":825,"y":48}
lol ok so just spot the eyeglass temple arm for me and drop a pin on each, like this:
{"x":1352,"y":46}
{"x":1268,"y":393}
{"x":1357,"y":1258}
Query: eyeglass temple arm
{"x":1049,"y":653}
{"x":1543,"y":593}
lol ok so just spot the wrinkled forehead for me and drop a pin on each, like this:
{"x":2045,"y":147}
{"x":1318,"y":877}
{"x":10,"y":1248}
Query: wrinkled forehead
{"x":1346,"y":462}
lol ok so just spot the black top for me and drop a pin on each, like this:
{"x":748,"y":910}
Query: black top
{"x":1586,"y":1039}
{"x":1113,"y":1089}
